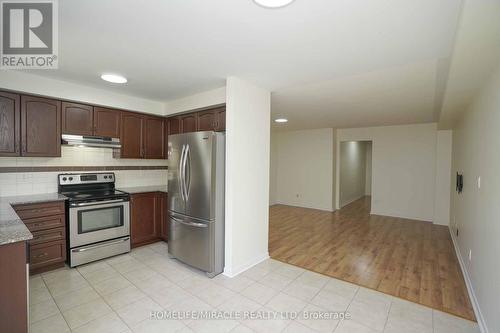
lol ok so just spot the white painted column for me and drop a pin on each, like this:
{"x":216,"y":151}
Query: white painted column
{"x":443,"y":177}
{"x":248,"y":115}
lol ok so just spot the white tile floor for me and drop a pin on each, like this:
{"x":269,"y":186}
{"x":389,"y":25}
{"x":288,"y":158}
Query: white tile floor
{"x":118,"y":295}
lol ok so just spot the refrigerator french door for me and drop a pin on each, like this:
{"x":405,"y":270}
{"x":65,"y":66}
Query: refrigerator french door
{"x":196,"y":199}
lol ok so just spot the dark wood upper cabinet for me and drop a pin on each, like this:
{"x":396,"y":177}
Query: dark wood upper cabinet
{"x":189,"y":123}
{"x":40,"y":127}
{"x":207,"y":120}
{"x":212,"y":120}
{"x":32,"y":126}
{"x":10,"y":126}
{"x":107,"y":122}
{"x":172,"y":126}
{"x":221,"y":119}
{"x":154,"y":138}
{"x":77,"y":119}
{"x":131,"y":137}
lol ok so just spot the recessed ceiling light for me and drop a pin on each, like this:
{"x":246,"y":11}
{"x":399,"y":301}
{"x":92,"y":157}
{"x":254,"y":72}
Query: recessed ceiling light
{"x":281,"y":120}
{"x":113,"y":78}
{"x":274,"y":3}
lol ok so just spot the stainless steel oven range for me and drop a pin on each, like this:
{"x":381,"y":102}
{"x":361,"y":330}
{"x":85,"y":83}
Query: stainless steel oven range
{"x":98,"y":217}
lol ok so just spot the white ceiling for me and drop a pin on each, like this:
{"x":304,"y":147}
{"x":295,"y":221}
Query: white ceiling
{"x":334,"y":63}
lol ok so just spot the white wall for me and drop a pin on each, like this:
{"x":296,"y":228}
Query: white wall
{"x":248,"y":113}
{"x":197,"y":101}
{"x":476,"y":140}
{"x":443,"y":177}
{"x":352,"y":171}
{"x":273,"y":171}
{"x":335,"y":170}
{"x":368,"y":176}
{"x":34,"y":84}
{"x":304,"y":168}
{"x":403,"y":168}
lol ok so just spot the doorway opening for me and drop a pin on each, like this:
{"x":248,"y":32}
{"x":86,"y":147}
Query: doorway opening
{"x":355,"y":174}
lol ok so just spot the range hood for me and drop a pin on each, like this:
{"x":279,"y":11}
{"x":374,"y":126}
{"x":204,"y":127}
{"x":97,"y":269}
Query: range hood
{"x":90,"y":141}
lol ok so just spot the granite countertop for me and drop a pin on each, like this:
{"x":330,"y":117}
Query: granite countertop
{"x":144,"y":189}
{"x":12,"y":228}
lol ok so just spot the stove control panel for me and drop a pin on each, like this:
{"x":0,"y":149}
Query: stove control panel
{"x":86,"y":178}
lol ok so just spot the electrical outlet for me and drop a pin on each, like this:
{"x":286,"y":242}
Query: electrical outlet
{"x":470,"y":255}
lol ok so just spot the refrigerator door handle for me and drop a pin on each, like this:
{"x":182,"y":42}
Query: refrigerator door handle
{"x":187,"y":180}
{"x":190,"y":224}
{"x":181,"y":177}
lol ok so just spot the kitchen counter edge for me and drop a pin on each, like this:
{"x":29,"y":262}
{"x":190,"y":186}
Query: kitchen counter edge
{"x":12,"y":227}
{"x":144,"y":189}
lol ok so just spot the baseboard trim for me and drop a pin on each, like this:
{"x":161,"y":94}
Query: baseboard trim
{"x":307,"y":207}
{"x":373,"y":212}
{"x":249,"y":264}
{"x":468,"y":283}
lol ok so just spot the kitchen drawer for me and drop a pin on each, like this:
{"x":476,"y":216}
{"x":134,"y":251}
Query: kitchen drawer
{"x":47,"y":254}
{"x":39,"y":210}
{"x":48,"y":235}
{"x":44,"y":223}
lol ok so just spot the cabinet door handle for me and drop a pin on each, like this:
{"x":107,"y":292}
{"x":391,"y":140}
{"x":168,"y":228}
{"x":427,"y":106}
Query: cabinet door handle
{"x":42,"y":255}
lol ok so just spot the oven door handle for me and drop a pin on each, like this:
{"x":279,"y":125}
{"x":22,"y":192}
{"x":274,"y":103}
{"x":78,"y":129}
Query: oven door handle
{"x":93,"y":203}
{"x":93,"y":247}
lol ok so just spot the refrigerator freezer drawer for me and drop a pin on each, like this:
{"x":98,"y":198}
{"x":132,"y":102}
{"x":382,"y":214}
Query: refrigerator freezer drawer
{"x":192,"y":242}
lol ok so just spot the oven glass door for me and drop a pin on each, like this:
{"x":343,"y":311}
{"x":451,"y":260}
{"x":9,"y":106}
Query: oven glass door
{"x":99,"y":222}
{"x":94,"y":219}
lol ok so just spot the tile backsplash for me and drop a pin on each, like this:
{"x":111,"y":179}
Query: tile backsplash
{"x":21,"y":183}
{"x":78,"y":156}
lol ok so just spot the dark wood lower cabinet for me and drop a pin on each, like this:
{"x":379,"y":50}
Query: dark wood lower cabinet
{"x":47,"y":223}
{"x":148,"y":215}
{"x":13,"y":288}
{"x":162,"y":197}
{"x":47,"y":255}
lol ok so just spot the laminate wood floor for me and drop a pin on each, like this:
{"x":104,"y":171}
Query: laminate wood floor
{"x":413,"y":260}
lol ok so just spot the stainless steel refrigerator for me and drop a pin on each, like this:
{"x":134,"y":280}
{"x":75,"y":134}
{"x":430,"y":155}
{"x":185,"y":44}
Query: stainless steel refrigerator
{"x":196,"y":172}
